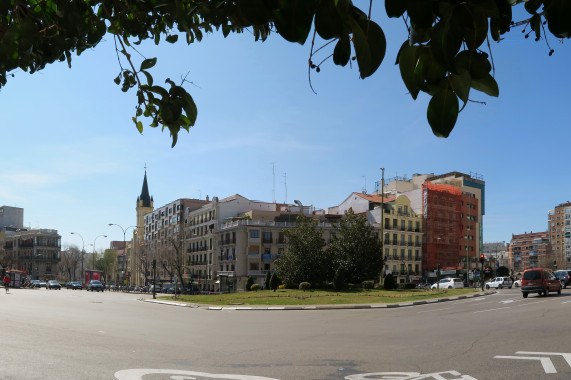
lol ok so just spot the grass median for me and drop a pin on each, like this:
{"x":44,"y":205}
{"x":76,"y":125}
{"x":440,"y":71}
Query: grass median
{"x":318,"y":297}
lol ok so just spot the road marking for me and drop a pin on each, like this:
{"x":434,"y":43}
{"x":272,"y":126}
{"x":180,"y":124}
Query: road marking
{"x":548,"y":366}
{"x":565,"y":302}
{"x":530,"y":303}
{"x":430,"y":311}
{"x":139,"y":373}
{"x":498,"y":308}
{"x":507,"y":301}
{"x":565,"y":355}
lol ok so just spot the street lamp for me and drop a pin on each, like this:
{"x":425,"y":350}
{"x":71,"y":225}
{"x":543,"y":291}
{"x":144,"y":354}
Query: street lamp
{"x":82,"y":252}
{"x":93,"y":254}
{"x":124,"y":246}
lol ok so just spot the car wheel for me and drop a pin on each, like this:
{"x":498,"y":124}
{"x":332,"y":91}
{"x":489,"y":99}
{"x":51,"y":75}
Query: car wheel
{"x":449,"y":287}
{"x":546,"y":292}
{"x":516,"y":285}
{"x":524,"y":294}
{"x":500,"y":286}
{"x":559,"y":290}
{"x":487,"y":286}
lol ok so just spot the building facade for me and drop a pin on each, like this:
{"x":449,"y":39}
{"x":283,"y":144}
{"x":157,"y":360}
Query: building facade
{"x":530,"y":250}
{"x":35,"y":252}
{"x":559,"y":227}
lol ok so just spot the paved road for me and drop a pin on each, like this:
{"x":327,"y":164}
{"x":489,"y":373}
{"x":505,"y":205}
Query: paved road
{"x":67,"y":334}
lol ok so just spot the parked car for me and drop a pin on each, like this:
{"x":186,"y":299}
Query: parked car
{"x":517,"y":284}
{"x":499,"y":283}
{"x":95,"y":285}
{"x":74,"y":285}
{"x":53,"y":284}
{"x":540,"y":281}
{"x":34,"y":283}
{"x":564,"y":276}
{"x":165,"y":287}
{"x":448,"y":283}
{"x":42,"y":283}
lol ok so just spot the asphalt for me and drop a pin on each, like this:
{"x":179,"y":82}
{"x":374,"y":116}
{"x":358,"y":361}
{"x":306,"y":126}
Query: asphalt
{"x":319,"y":307}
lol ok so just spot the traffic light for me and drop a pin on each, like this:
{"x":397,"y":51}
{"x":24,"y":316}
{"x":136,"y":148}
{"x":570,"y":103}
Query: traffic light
{"x":555,"y":264}
{"x":154,"y":264}
{"x":482,"y":258}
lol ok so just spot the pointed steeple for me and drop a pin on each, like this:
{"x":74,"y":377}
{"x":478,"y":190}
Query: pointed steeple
{"x":145,"y":197}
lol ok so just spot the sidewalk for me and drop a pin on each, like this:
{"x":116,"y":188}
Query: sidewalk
{"x":317,"y":307}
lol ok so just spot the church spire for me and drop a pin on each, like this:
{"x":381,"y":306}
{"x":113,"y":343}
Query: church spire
{"x":145,"y":197}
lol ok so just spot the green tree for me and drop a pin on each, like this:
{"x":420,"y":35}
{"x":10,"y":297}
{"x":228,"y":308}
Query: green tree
{"x":249,"y":283}
{"x":356,"y":249}
{"x":390,"y":282}
{"x":267,"y":280}
{"x":305,"y":259}
{"x":443,"y":55}
{"x":274,"y":282}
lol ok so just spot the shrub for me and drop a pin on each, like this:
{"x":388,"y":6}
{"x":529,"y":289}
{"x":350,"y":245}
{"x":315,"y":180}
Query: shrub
{"x":304,"y":286}
{"x":390,"y":282}
{"x":368,"y":284}
{"x":249,"y":283}
{"x":407,"y":285}
{"x":282,"y":286}
{"x":255,"y":287}
{"x":339,"y":279}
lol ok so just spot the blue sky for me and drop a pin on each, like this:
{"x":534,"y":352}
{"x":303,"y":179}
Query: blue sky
{"x":74,"y":161}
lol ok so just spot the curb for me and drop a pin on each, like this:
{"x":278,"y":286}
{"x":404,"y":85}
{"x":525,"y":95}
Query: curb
{"x":319,"y":307}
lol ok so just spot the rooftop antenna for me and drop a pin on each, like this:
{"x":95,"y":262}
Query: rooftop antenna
{"x":274,"y":181}
{"x":365,"y":187}
{"x":285,"y":183}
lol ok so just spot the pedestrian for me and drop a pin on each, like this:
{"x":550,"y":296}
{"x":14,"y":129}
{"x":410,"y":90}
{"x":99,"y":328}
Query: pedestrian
{"x":6,"y":281}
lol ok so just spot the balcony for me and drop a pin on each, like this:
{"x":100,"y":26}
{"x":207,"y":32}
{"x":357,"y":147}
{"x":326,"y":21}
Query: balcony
{"x":226,"y":273}
{"x":267,"y":256}
{"x":258,"y":272}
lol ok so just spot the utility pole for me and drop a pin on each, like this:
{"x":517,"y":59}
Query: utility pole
{"x":383,"y":223}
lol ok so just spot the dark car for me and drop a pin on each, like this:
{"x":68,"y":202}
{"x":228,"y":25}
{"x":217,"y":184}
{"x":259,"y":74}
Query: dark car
{"x":53,"y":284}
{"x":74,"y":285}
{"x":539,"y":280}
{"x":564,"y":276}
{"x":34,"y":284}
{"x":95,"y":285}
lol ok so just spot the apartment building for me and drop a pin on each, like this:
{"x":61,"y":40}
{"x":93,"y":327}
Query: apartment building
{"x":230,"y":239}
{"x":35,"y":252}
{"x":530,"y":250}
{"x":163,"y":238}
{"x":452,"y":206}
{"x":559,"y":228}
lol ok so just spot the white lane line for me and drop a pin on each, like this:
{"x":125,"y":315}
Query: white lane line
{"x":498,"y":308}
{"x":430,"y":311}
{"x":565,"y":302}
{"x":548,"y":366}
{"x":531,"y":303}
{"x":566,"y":356}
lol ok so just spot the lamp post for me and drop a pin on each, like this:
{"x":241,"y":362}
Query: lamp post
{"x":82,"y":252}
{"x":124,"y":246}
{"x":93,"y":254}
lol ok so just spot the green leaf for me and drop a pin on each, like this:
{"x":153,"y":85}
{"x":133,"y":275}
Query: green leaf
{"x":172,"y":38}
{"x":420,"y":12}
{"x":461,"y":85}
{"x":531,"y":6}
{"x":342,"y":51}
{"x":159,"y":90}
{"x":328,"y":23}
{"x":558,"y":15}
{"x":395,"y":8}
{"x":148,"y":63}
{"x":254,"y":11}
{"x":535,"y":24}
{"x":149,"y":77}
{"x":442,"y":112}
{"x":408,"y":61}
{"x":294,"y":18}
{"x":474,"y":25}
{"x":475,"y":63}
{"x":370,"y":46}
{"x":445,"y":42}
{"x":486,"y":84}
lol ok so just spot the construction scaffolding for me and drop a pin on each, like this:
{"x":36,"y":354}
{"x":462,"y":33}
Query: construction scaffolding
{"x":443,"y":226}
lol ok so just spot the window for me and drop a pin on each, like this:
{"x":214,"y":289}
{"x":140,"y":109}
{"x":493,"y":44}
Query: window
{"x":254,"y":234}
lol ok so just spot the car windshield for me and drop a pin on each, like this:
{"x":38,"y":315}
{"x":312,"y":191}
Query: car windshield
{"x":95,"y":282}
{"x":532,"y":275}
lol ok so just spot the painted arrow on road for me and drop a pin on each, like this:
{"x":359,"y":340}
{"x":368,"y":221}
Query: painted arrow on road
{"x":546,"y":362}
